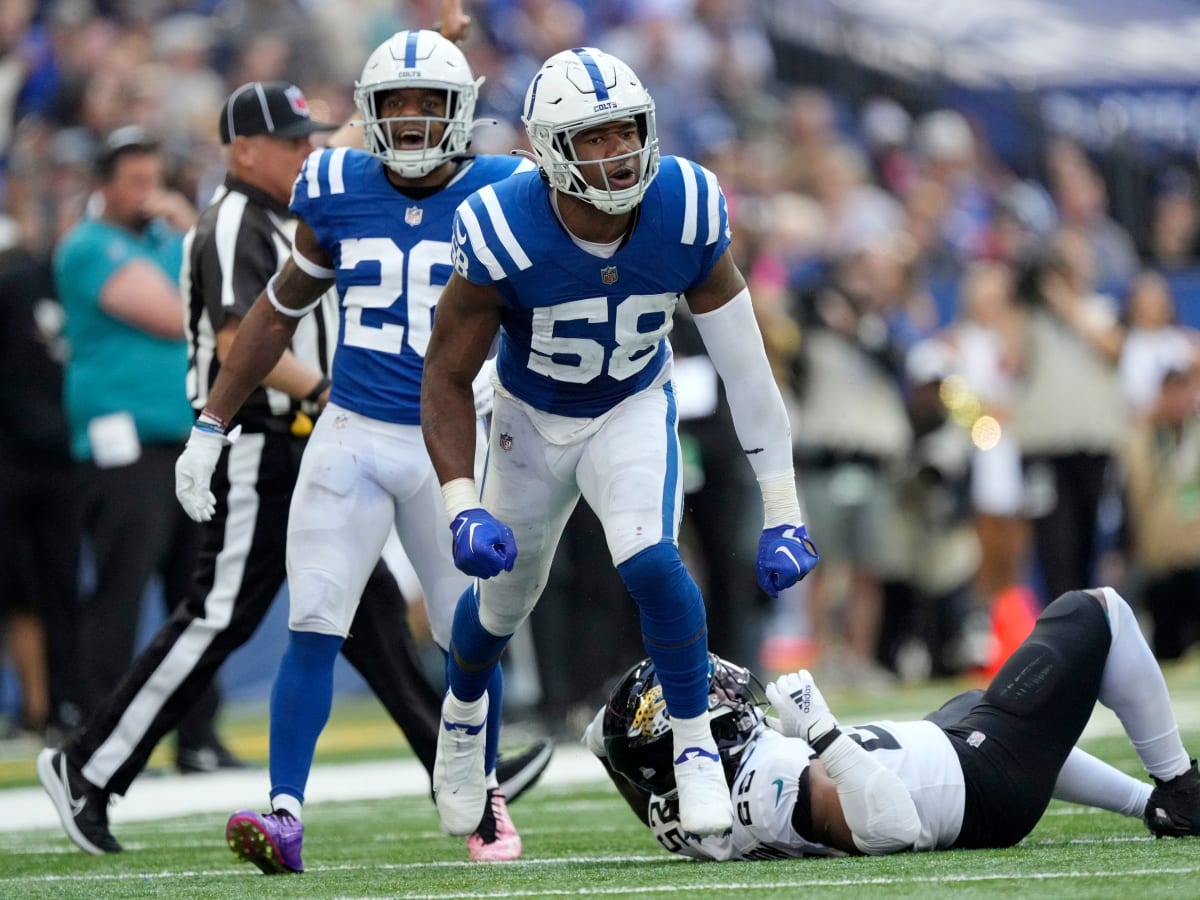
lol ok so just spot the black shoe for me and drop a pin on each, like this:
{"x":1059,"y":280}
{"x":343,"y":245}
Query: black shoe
{"x":82,"y":807}
{"x":519,"y":773}
{"x":209,"y":758}
{"x":1174,"y":806}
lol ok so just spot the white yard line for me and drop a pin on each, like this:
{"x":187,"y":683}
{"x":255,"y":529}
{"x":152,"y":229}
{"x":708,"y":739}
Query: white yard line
{"x":166,"y":796}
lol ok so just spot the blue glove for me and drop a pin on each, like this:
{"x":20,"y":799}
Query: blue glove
{"x":785,"y":555}
{"x":483,"y":545}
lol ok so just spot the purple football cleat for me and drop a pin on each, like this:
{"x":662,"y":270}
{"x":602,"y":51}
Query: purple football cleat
{"x":272,"y":841}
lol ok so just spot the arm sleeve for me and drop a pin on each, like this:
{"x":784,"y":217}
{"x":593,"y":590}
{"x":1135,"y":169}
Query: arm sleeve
{"x":734,"y":344}
{"x":878,"y":808}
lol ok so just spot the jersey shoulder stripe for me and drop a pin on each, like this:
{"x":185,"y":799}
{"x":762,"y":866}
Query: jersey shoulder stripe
{"x":330,"y":171}
{"x":484,"y":234}
{"x":704,"y":216}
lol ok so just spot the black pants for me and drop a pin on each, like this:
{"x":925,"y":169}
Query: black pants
{"x":136,"y":530}
{"x":39,"y":547}
{"x":1013,"y":739}
{"x":1173,"y":599}
{"x":1064,"y":538}
{"x":240,"y":569}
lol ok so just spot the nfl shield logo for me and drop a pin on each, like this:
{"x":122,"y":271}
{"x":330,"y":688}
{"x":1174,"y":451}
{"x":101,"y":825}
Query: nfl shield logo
{"x":295,"y":98}
{"x":412,"y":216}
{"x":505,"y":441}
{"x":608,"y":274}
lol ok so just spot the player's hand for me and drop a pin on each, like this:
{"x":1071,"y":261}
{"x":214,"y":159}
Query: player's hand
{"x":483,"y":545}
{"x":802,"y":711}
{"x":454,"y":23}
{"x":593,"y":735}
{"x":785,"y":555}
{"x":194,"y":470}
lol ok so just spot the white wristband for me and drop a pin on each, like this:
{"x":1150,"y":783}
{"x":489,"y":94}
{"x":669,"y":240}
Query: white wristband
{"x":781,"y":506}
{"x":459,"y":494}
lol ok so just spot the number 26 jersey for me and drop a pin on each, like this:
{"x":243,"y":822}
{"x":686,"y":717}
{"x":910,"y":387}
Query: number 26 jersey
{"x":391,"y":255}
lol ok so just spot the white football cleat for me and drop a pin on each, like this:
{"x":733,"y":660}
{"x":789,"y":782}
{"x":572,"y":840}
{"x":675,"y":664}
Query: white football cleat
{"x":705,"y":806}
{"x":459,"y":785}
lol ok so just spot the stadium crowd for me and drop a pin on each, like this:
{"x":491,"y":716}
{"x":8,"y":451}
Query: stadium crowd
{"x":993,"y":400}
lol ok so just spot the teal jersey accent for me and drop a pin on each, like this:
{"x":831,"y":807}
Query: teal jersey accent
{"x":115,"y":367}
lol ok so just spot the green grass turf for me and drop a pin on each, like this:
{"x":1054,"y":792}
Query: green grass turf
{"x":583,"y":841}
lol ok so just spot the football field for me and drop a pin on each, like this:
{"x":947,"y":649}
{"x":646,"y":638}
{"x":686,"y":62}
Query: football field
{"x":371,"y":832}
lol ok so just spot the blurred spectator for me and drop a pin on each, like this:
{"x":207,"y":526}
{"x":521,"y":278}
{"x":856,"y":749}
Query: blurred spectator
{"x":948,"y":156}
{"x":190,"y":92}
{"x":849,"y":430}
{"x":809,"y":136}
{"x":887,"y":130}
{"x":1155,"y":343}
{"x":927,"y":596}
{"x":790,"y":255}
{"x":1162,"y":463}
{"x":39,"y":527}
{"x":127,"y":407}
{"x":1082,"y":202}
{"x":1174,"y":221}
{"x":985,"y":340}
{"x":857,"y":212}
{"x":1068,"y":417}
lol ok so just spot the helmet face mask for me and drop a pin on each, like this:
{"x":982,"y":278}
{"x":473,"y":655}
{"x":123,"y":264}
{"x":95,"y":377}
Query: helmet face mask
{"x":579,"y":90}
{"x":417,"y":60}
{"x":637,"y":728}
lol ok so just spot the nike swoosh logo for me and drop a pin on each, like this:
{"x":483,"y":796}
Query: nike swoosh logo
{"x":788,"y":553}
{"x":471,"y":535}
{"x":696,"y":753}
{"x":778,"y":782}
{"x":77,"y":805}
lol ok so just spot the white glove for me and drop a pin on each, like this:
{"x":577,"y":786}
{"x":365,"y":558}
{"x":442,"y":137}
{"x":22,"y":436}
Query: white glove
{"x":593,"y":735}
{"x":194,"y":470}
{"x":803,"y":712}
{"x":482,"y":387}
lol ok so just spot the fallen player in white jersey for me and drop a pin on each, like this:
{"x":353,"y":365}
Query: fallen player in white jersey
{"x":979,"y":772}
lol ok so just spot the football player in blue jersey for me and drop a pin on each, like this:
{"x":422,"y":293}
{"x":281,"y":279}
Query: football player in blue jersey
{"x":376,"y":225}
{"x":579,"y":267}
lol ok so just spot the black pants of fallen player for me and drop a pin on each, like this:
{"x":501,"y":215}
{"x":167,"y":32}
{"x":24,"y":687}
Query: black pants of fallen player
{"x":240,"y":570}
{"x":1013,"y":738}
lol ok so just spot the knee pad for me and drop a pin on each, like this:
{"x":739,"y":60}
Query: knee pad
{"x":318,"y":603}
{"x":1026,"y":679}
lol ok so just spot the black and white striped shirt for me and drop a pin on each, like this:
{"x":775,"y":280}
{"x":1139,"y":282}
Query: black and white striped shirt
{"x":236,"y":245}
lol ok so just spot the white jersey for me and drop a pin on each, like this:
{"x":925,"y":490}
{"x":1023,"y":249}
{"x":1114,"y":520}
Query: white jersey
{"x":766,"y":788}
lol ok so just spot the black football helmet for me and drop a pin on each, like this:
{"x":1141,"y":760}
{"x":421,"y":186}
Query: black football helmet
{"x":637,"y":728}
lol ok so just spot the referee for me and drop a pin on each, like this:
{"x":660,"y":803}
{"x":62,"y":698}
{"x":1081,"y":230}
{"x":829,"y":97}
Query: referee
{"x":238,"y":243}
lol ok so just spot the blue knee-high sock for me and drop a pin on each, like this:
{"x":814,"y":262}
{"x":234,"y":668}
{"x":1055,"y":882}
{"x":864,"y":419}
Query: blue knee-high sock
{"x":495,"y":692}
{"x":300,"y":702}
{"x":474,"y":651}
{"x":674,"y":630}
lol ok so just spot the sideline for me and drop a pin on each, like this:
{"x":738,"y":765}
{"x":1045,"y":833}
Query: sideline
{"x":168,"y":796}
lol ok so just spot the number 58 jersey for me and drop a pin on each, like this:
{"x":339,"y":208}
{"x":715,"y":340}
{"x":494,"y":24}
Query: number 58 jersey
{"x":580,"y":332}
{"x":391,"y":256}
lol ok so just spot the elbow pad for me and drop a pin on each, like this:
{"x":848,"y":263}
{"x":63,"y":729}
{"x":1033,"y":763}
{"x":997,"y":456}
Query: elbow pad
{"x":878,"y":808}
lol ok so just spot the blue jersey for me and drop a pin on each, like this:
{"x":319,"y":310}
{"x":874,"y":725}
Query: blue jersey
{"x":580,"y":333}
{"x":392,"y":256}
